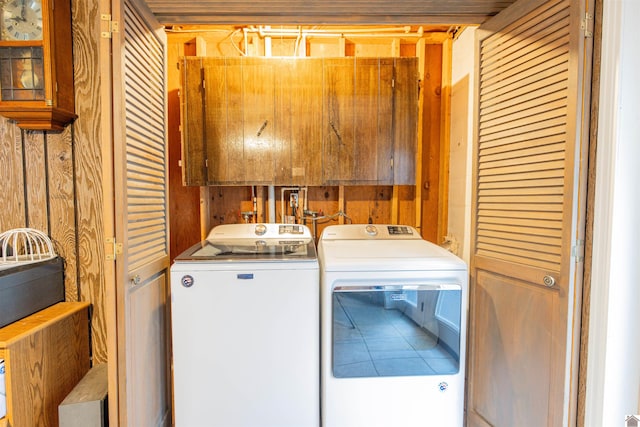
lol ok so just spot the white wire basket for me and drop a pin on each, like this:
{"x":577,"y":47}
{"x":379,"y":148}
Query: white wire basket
{"x":25,"y":245}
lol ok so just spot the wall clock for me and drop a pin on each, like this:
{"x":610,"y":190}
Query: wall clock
{"x":36,"y":63}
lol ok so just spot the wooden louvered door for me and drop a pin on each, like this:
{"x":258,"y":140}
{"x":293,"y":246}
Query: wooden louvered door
{"x":528,"y":216}
{"x":141,"y":221}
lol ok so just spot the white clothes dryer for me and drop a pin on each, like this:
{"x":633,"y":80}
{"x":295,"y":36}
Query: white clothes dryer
{"x":245,"y":322}
{"x":393,"y":328}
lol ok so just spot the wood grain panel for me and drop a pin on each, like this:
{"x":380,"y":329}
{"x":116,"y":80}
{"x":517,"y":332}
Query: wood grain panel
{"x":148,"y":307}
{"x":215,"y":120}
{"x":505,"y":310}
{"x":46,"y":355}
{"x":62,"y":205}
{"x":368,"y":204}
{"x":431,"y":119}
{"x":369,"y":99}
{"x":226,"y":204}
{"x":235,"y":120}
{"x":35,"y":168}
{"x":258,"y":97}
{"x":285,"y":103}
{"x":88,"y":132}
{"x":386,"y":129}
{"x":338,"y":132}
{"x":11,"y":169}
{"x":405,"y":120}
{"x":406,"y":204}
{"x":193,"y":140}
{"x":304,"y":82}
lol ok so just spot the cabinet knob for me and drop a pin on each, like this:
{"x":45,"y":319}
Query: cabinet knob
{"x":549,"y":281}
{"x":136,"y":280}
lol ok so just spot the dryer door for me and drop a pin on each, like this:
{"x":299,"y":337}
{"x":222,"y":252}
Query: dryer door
{"x":396,"y":330}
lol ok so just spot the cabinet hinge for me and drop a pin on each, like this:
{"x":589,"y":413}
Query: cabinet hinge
{"x":587,"y":25}
{"x":206,"y":163}
{"x":112,"y":249}
{"x":577,"y":251}
{"x":111,"y":26}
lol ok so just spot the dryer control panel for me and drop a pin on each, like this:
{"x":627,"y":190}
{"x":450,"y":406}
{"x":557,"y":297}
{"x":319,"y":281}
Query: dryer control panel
{"x":370,"y":231}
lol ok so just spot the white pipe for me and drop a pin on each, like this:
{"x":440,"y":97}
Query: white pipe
{"x":267,"y":44}
{"x":271,"y":203}
{"x":352,"y":32}
{"x":267,"y":30}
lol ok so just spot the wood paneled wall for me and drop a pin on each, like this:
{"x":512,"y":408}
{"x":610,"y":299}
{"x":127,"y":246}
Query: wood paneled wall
{"x":361,"y":204}
{"x":52,"y":181}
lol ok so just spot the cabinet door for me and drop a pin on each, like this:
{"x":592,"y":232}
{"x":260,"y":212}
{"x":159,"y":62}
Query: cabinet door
{"x":193,"y":142}
{"x":338,"y":119}
{"x":239,"y":120}
{"x":360,"y":121}
{"x":373,"y":121}
{"x":258,"y":88}
{"x":214,"y":110}
{"x":298,"y":122}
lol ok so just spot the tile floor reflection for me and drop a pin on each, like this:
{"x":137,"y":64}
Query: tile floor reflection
{"x":370,"y":340}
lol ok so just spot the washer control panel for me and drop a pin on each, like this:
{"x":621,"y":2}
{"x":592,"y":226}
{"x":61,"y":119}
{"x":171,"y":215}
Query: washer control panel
{"x":399,"y":230}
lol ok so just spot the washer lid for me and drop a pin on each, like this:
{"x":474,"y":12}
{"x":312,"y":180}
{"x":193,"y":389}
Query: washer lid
{"x":254,"y":242}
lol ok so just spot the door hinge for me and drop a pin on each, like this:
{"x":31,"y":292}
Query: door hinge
{"x":112,"y":249}
{"x":112,"y":26}
{"x":587,"y":25}
{"x":577,"y":251}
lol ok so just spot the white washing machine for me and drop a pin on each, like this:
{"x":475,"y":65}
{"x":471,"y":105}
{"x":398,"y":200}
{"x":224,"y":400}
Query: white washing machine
{"x":393,"y":328}
{"x":245,"y":324}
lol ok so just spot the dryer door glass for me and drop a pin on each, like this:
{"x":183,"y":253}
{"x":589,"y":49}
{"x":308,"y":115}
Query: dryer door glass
{"x":396,"y":330}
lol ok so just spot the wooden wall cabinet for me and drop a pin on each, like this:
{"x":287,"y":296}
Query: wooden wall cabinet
{"x":46,"y":355}
{"x":299,"y":121}
{"x":370,"y":120}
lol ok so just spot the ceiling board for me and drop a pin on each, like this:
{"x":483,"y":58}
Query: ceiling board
{"x":306,"y":12}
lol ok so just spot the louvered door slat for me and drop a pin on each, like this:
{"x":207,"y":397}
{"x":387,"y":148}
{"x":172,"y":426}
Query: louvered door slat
{"x":553,"y":102}
{"x":551,"y":216}
{"x":521,"y":140}
{"x":145,"y":136}
{"x":520,"y":33}
{"x":507,"y":255}
{"x":517,"y":160}
{"x":491,"y":103}
{"x":522,"y":231}
{"x":524,"y":224}
{"x":529,"y":146}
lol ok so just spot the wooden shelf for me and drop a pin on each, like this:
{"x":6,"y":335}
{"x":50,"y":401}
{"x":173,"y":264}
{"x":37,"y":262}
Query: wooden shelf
{"x":46,"y":355}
